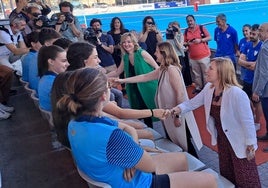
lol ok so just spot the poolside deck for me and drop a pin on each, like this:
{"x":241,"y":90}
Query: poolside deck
{"x":29,"y":159}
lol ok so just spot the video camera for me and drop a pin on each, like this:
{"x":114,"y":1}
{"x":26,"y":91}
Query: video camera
{"x":170,"y":32}
{"x":90,"y":35}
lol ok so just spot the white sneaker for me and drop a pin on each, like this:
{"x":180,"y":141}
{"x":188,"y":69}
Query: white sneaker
{"x":257,"y":126}
{"x":6,"y":108}
{"x":4,"y":114}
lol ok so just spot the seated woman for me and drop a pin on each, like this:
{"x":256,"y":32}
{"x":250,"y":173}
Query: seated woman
{"x":106,"y":153}
{"x":51,"y":61}
{"x":88,"y":57}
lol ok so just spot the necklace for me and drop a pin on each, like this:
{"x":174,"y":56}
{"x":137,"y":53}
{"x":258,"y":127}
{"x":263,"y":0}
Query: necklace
{"x":217,"y":97}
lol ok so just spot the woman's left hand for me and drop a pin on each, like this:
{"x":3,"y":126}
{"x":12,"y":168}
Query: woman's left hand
{"x":250,"y":151}
{"x":177,"y":122}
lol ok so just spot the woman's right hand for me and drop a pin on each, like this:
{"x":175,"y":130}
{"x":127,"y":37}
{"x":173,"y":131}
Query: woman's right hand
{"x":161,"y":113}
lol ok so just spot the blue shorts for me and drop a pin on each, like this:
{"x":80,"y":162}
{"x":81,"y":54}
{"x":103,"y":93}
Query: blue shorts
{"x":160,"y":181}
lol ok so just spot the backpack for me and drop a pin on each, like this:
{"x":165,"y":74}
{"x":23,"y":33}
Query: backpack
{"x":11,"y":36}
{"x":202,"y":34}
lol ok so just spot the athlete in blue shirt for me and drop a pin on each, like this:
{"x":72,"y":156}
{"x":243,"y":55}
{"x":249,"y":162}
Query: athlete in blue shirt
{"x":104,"y":150}
{"x":226,"y":39}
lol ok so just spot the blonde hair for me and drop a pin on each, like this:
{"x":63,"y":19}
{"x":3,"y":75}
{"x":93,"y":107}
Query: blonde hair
{"x":169,"y":55}
{"x":226,"y":72}
{"x":133,"y":39}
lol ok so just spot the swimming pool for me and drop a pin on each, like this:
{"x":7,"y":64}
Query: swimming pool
{"x":238,"y":14}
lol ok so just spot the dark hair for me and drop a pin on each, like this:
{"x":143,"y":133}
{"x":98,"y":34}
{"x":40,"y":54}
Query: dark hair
{"x":66,"y":4}
{"x":32,"y":37}
{"x":247,"y":25}
{"x":255,"y":27}
{"x":45,"y":53}
{"x":47,"y":33}
{"x":61,"y":118}
{"x":95,"y":20}
{"x":122,"y":28}
{"x":85,"y":87}
{"x":77,"y":54}
{"x":190,"y":16}
{"x":144,"y":22}
{"x":63,"y":43}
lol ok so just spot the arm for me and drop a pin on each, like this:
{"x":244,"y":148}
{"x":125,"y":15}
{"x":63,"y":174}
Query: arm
{"x":208,"y":37}
{"x":74,"y":29}
{"x":130,"y":130}
{"x":17,"y":51}
{"x":118,"y":71}
{"x":243,"y":62}
{"x":110,"y":43}
{"x":140,"y":78}
{"x":149,"y":59}
{"x":126,"y":113}
{"x":143,"y":36}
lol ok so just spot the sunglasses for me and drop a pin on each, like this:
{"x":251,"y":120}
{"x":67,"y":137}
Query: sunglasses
{"x":36,"y":14}
{"x":150,"y":23}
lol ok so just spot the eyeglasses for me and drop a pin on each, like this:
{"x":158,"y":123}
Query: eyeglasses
{"x":35,"y":14}
{"x":150,"y":23}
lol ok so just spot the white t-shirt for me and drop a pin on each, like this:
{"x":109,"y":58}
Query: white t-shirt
{"x":6,"y":39}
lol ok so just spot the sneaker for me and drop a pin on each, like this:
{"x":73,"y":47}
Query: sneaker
{"x":4,"y":114}
{"x":257,"y":126}
{"x":6,"y":108}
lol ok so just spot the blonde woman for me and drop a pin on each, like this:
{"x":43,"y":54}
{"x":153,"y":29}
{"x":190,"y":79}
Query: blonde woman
{"x":229,"y":121}
{"x":136,"y":61}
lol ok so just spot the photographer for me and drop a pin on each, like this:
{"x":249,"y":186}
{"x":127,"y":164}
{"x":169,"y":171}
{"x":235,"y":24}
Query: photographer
{"x":34,"y":24}
{"x":176,"y":39}
{"x":67,"y":24}
{"x":150,"y":35}
{"x":105,"y":46}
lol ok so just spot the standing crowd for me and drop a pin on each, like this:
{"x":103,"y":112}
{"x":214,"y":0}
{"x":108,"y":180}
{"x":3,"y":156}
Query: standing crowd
{"x":77,"y":75}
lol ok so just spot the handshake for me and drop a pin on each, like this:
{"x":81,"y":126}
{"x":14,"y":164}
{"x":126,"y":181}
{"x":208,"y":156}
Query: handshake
{"x":158,"y":113}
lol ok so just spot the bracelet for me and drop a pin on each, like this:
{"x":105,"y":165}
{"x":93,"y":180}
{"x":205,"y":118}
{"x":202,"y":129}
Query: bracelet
{"x":152,"y":113}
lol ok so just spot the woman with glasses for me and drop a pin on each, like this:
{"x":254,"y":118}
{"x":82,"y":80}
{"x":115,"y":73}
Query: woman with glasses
{"x":150,"y":35}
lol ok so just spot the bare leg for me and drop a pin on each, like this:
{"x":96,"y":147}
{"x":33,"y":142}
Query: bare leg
{"x":192,"y":180}
{"x":170,"y":162}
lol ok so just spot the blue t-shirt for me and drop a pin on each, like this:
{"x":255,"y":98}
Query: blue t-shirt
{"x":30,"y":70}
{"x":105,"y":57}
{"x":44,"y":90}
{"x":226,"y":42}
{"x":102,"y":151}
{"x":251,"y":53}
{"x":25,"y":61}
{"x":241,"y":46}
